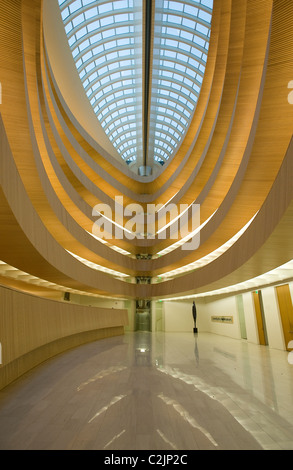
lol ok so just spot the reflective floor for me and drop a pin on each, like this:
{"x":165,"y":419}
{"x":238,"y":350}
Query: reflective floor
{"x":149,"y":391}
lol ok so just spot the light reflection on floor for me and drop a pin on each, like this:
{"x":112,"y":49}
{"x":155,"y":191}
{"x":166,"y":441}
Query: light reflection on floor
{"x":153,"y":391}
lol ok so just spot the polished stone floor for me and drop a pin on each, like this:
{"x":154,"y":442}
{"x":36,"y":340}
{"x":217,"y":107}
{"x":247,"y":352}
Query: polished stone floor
{"x":153,"y":391}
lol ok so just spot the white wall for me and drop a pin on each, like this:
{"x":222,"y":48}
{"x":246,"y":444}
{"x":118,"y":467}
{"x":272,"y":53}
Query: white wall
{"x":272,"y":318}
{"x":221,"y":307}
{"x":250,"y":318}
{"x":178,"y":316}
{"x":203,"y":316}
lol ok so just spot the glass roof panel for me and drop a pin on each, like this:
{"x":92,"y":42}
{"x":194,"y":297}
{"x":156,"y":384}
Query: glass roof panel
{"x":181,"y":44}
{"x":106,"y":41}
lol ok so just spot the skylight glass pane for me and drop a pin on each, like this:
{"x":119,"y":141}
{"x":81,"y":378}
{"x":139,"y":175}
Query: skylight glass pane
{"x":105,"y":38}
{"x":111,"y":27}
{"x":181,"y":44}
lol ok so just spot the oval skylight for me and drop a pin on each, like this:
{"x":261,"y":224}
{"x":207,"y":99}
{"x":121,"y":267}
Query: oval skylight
{"x":107,"y":40}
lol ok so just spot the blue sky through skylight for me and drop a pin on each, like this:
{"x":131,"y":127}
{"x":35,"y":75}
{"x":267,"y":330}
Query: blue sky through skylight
{"x":105,"y":38}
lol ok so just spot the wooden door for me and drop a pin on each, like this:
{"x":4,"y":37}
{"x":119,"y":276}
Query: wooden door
{"x":259,"y":318}
{"x":286,"y":312}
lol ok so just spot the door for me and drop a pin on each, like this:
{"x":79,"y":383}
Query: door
{"x":143,"y":315}
{"x":143,"y":321}
{"x":286,"y":312}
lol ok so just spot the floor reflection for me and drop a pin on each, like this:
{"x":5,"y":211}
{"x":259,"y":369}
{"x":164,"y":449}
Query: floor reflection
{"x":196,"y":351}
{"x":143,"y":348}
{"x":156,"y":392}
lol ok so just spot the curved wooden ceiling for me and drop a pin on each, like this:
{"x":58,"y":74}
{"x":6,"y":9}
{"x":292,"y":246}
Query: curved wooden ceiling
{"x":235,"y":161}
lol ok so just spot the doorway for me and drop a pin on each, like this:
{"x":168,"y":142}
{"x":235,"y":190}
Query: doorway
{"x":143,"y":315}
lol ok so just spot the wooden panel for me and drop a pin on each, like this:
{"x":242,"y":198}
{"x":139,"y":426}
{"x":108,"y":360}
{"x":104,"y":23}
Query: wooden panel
{"x":265,"y":245}
{"x":33,"y":329}
{"x":286,"y":312}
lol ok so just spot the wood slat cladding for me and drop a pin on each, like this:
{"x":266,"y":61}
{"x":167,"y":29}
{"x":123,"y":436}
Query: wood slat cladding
{"x":254,"y":253}
{"x":234,"y":160}
{"x":34,"y":329}
{"x":10,"y":34}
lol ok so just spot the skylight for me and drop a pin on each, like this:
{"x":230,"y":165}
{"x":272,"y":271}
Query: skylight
{"x":106,"y":40}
